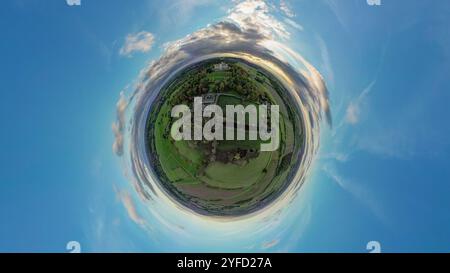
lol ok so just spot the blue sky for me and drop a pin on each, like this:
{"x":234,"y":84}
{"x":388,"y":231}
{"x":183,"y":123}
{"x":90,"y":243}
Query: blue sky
{"x":381,"y":172}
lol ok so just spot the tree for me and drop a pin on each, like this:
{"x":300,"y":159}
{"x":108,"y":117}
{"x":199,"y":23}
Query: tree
{"x":222,"y":86}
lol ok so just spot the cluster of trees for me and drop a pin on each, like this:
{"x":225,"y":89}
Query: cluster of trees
{"x":196,"y":85}
{"x":239,"y":81}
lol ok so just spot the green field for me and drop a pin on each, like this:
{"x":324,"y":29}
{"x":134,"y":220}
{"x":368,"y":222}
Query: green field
{"x":231,"y":176}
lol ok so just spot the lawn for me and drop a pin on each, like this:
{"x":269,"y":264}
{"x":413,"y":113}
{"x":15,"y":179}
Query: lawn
{"x":232,"y":176}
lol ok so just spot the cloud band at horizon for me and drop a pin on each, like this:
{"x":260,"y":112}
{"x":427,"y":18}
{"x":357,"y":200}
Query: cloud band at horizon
{"x":249,"y":33}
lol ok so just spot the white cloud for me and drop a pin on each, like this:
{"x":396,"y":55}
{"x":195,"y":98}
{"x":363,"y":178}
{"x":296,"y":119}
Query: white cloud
{"x":286,"y":9}
{"x":73,"y":2}
{"x":119,"y":125}
{"x":254,"y":15}
{"x":137,"y":42}
{"x":293,"y":24}
{"x":353,"y":112}
{"x":128,"y":203}
{"x":270,"y":244}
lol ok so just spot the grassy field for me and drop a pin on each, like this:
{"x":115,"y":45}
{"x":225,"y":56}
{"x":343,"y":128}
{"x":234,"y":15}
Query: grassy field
{"x":225,"y":100}
{"x":179,"y":162}
{"x":232,"y":176}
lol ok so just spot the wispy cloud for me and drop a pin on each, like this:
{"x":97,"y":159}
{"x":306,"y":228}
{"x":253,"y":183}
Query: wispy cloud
{"x":293,"y":24}
{"x":353,"y":111}
{"x":336,"y":8}
{"x":255,"y":15}
{"x":180,"y":12}
{"x":388,"y":141}
{"x":270,"y":244}
{"x":326,"y":61}
{"x":119,"y":125}
{"x":285,"y":7}
{"x":340,"y":157}
{"x":357,"y":191}
{"x":128,"y":203}
{"x":137,"y":42}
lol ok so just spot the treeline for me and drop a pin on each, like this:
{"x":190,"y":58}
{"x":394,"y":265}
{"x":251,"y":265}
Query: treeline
{"x":238,"y":80}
